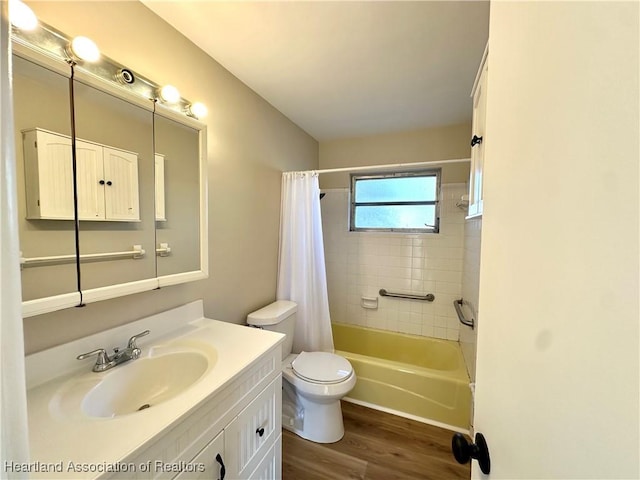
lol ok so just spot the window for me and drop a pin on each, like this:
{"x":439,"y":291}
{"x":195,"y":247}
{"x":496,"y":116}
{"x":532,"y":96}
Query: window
{"x":396,"y":202}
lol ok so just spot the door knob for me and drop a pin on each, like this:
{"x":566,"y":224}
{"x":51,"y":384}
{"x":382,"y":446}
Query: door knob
{"x":464,"y":451}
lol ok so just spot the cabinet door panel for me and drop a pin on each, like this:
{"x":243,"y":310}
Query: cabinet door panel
{"x":121,"y":190}
{"x":89,"y":169}
{"x":55,"y":176}
{"x":270,"y":466}
{"x":476,"y":180}
{"x":249,"y":436}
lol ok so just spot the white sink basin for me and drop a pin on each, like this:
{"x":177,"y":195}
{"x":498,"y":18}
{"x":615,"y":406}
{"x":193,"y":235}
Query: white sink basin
{"x":162,"y":373}
{"x":143,"y":383}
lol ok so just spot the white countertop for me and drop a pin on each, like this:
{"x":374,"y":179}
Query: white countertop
{"x":72,"y":440}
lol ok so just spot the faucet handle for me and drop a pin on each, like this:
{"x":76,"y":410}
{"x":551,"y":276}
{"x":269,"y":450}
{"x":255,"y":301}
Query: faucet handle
{"x":132,"y":341}
{"x":102,"y":363}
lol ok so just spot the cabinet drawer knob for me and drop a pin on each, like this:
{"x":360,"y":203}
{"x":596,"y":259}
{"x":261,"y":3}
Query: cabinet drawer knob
{"x":476,"y":140}
{"x":109,"y":183}
{"x":101,"y":182}
{"x":260,"y":431}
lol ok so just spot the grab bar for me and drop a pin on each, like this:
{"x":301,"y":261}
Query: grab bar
{"x":429,"y":297}
{"x":137,"y":252}
{"x":457,"y":304}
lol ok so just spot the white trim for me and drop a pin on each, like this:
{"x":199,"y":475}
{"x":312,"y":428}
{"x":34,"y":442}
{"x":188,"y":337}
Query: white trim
{"x":479,"y":72}
{"x":118,"y":290}
{"x":14,"y":443}
{"x":39,"y":306}
{"x":178,"y":278}
{"x":40,"y":57}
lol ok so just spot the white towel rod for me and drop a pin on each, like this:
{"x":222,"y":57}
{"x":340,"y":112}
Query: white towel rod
{"x":136,"y":253}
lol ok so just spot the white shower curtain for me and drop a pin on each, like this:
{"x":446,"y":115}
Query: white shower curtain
{"x":301,"y":269}
{"x":14,"y":444}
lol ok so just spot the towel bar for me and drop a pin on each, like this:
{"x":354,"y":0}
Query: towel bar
{"x":137,"y":252}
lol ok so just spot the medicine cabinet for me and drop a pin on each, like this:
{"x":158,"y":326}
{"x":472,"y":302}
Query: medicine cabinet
{"x":131,"y":216}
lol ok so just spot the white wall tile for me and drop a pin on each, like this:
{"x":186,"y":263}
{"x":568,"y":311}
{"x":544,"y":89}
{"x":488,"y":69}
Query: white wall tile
{"x":361,"y":263}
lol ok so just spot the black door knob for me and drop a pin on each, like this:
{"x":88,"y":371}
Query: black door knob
{"x":464,"y":451}
{"x":476,"y":140}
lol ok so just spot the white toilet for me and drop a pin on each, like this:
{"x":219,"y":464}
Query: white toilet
{"x":312,"y":382}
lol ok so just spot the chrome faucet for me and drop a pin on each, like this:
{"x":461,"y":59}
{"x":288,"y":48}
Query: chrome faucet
{"x":104,"y":362}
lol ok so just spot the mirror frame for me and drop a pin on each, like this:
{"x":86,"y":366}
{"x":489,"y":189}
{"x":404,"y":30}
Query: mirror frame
{"x":79,"y":298}
{"x":184,"y":277}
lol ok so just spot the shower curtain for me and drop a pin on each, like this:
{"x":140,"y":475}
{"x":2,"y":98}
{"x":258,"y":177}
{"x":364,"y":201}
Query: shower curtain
{"x":14,"y":443}
{"x":301,"y":269}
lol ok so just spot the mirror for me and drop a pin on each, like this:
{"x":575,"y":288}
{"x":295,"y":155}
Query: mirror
{"x":177,"y":148}
{"x":116,"y":189}
{"x":140,"y":187}
{"x":44,"y":232}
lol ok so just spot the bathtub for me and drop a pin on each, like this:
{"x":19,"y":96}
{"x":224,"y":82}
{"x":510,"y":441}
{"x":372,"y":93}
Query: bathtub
{"x":418,"y":377}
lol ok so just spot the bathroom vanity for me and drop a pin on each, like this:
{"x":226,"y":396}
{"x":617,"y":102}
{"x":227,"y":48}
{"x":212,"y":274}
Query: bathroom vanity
{"x":203,"y":400}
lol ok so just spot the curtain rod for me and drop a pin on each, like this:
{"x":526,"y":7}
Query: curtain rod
{"x":392,"y":165}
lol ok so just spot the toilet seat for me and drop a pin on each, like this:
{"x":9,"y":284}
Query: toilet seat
{"x":321,"y":367}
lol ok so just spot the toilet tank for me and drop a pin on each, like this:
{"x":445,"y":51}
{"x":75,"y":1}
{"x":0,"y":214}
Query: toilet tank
{"x":279,"y":316}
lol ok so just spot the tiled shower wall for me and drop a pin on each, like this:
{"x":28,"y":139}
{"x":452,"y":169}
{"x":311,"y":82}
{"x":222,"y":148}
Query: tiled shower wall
{"x":359,"y":264}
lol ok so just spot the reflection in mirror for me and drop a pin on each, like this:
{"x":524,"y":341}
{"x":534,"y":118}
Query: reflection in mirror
{"x":177,"y":148}
{"x":115,"y":177}
{"x":124,"y":186}
{"x":44,"y":179}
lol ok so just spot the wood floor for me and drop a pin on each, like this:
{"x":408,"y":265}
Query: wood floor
{"x":375,"y":446}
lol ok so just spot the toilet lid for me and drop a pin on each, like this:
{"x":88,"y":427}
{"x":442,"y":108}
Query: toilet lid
{"x":322,"y":367}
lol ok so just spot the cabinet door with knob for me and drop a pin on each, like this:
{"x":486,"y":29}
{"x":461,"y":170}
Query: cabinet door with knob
{"x":107,"y":183}
{"x":478,"y":140}
{"x":106,"y":179}
{"x":250,"y":435}
{"x":121,"y":192}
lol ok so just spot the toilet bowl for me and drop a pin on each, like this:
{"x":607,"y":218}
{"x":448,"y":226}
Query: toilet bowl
{"x":313,"y":382}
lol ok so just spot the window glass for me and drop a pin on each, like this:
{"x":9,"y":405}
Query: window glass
{"x":400,"y":201}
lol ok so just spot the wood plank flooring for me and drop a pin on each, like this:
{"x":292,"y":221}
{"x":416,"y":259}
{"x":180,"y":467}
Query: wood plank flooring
{"x":375,"y":446}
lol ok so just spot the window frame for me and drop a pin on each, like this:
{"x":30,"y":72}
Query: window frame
{"x":437,"y":172}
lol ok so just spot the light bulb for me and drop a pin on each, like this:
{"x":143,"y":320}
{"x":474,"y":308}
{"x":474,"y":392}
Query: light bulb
{"x":85,"y":49}
{"x":198,"y":110}
{"x":170,"y":94}
{"x":21,"y":16}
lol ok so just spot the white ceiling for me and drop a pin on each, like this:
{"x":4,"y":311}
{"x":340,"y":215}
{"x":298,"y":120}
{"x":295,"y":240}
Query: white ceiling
{"x":343,"y":69}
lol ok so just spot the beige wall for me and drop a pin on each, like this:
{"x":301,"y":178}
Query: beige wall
{"x":432,"y":144}
{"x":249,"y":144}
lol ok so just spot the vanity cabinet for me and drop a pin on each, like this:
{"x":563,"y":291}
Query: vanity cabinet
{"x":107,"y":179}
{"x":478,"y":139}
{"x":240,"y":428}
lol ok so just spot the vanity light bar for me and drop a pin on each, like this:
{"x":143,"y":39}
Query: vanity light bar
{"x":84,"y":54}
